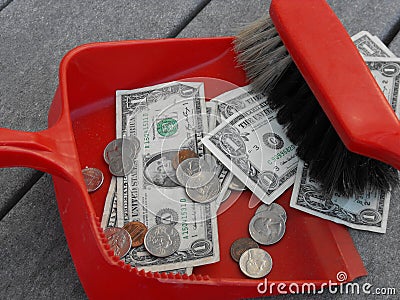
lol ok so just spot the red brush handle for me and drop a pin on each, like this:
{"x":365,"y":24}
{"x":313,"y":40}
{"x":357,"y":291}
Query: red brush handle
{"x":339,"y":78}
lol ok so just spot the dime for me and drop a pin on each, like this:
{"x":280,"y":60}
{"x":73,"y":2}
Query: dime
{"x":121,"y":166}
{"x":205,"y":193}
{"x":119,"y":240}
{"x":122,"y":147}
{"x":239,"y":246}
{"x":162,"y":240}
{"x":93,"y":178}
{"x":181,"y":156}
{"x":137,"y":231}
{"x":187,"y":169}
{"x":274,"y":207}
{"x":267,"y":228}
{"x":255,"y":263}
{"x":237,"y":185}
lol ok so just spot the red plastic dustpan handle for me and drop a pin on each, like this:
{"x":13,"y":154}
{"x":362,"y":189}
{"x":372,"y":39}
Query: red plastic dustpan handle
{"x":43,"y":151}
{"x":339,"y":78}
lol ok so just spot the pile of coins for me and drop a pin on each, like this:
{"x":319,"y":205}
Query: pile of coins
{"x":120,"y":155}
{"x":160,"y":240}
{"x":267,"y":227}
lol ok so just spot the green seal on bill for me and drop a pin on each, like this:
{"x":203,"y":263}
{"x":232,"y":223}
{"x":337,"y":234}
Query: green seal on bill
{"x":167,"y":127}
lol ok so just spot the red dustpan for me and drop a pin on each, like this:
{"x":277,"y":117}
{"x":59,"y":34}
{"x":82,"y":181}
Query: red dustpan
{"x":82,"y":122}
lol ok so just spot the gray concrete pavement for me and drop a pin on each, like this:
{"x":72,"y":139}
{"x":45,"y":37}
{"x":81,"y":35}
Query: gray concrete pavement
{"x":36,"y":34}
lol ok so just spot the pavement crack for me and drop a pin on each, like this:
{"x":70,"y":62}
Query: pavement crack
{"x":9,"y":205}
{"x":4,"y":4}
{"x":388,"y":38}
{"x":178,"y":29}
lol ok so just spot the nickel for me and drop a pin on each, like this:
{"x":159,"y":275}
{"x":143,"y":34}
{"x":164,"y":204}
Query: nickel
{"x":255,"y":263}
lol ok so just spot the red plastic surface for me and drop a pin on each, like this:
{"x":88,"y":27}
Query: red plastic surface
{"x":82,"y":122}
{"x":339,"y":78}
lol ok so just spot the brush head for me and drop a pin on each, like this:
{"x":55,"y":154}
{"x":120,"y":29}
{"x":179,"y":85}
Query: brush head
{"x":271,"y":71}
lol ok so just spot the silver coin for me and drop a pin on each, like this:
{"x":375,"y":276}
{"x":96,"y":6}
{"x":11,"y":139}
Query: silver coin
{"x":121,"y":166}
{"x":211,"y":162}
{"x":162,"y":240}
{"x":122,"y":147}
{"x":255,"y":263}
{"x":93,"y":179}
{"x":237,"y":185}
{"x":274,"y":207}
{"x":205,"y":193}
{"x":187,"y":169}
{"x":119,"y":239}
{"x":267,"y":228}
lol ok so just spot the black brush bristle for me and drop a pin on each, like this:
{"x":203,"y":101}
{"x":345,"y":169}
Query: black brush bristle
{"x":307,"y":126}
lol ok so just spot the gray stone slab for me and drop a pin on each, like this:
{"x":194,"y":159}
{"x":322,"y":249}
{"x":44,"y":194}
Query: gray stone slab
{"x":221,"y":17}
{"x":35,"y":35}
{"x":35,"y":260}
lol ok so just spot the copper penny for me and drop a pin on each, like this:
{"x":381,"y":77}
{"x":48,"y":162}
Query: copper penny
{"x":181,"y":156}
{"x":137,"y":231}
{"x":93,"y":179}
{"x":239,"y":246}
{"x":119,"y":239}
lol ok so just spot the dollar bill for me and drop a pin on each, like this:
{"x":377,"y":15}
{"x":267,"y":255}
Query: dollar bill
{"x":109,"y":218}
{"x":370,"y":210}
{"x":253,"y":146}
{"x":371,"y":46}
{"x":166,"y":118}
{"x":234,"y":101}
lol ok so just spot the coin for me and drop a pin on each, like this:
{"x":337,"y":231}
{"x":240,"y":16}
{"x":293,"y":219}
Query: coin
{"x":274,"y":207}
{"x":211,"y":162}
{"x":122,"y":147}
{"x":267,"y":228}
{"x":119,"y":240}
{"x":239,"y":246}
{"x":187,"y":169}
{"x":162,"y":240}
{"x":93,"y":179}
{"x":121,"y":166}
{"x":237,"y":185}
{"x":137,"y":231}
{"x":205,"y":193}
{"x":255,"y":263}
{"x":181,"y":156}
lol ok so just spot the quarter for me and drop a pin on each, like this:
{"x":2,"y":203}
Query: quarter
{"x":274,"y":207}
{"x":267,"y":228}
{"x":203,"y":193}
{"x":162,"y":240}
